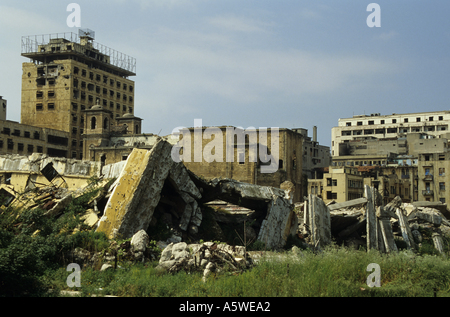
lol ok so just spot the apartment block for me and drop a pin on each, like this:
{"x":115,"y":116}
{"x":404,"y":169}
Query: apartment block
{"x":376,"y":126}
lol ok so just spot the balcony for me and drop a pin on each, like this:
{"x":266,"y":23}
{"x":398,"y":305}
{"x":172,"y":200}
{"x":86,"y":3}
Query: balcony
{"x":427,"y":192}
{"x":428,"y":177}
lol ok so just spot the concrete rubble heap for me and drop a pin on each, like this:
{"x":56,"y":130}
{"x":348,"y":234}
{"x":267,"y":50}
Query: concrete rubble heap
{"x":151,"y":181}
{"x":365,"y":221}
{"x":208,"y":257}
{"x":151,"y":188}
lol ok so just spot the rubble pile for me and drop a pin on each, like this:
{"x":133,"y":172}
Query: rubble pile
{"x":152,"y":188}
{"x":366,"y":222}
{"x":208,"y":257}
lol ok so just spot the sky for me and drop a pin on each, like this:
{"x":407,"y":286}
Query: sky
{"x":254,"y":63}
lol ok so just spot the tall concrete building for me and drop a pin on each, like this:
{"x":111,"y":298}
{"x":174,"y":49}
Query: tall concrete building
{"x":69,"y":74}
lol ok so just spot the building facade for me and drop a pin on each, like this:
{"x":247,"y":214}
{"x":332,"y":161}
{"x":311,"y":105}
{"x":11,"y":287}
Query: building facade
{"x":68,"y":75}
{"x":212,"y":161}
{"x":376,"y":126}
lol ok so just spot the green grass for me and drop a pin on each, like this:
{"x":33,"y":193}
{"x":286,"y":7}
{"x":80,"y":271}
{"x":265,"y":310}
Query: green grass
{"x":336,"y":272}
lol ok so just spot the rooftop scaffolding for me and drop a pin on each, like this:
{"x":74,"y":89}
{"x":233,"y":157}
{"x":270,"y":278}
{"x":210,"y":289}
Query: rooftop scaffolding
{"x":37,"y":47}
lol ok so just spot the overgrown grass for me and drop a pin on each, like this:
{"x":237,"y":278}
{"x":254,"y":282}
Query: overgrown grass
{"x":335,"y":272}
{"x":32,"y":245}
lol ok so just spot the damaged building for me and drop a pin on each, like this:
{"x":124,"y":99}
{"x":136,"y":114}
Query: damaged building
{"x":69,"y":74}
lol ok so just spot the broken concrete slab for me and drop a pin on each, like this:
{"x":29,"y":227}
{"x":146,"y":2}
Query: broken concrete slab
{"x":435,"y":205}
{"x":276,"y":227}
{"x":387,"y":235}
{"x":371,"y":219}
{"x":348,"y":204}
{"x":406,"y":231}
{"x":438,"y":242}
{"x":138,"y":190}
{"x":430,"y":215}
{"x":318,"y":220}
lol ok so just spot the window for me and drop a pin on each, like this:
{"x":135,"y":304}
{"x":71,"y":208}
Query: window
{"x":83,"y":72}
{"x":51,"y":106}
{"x":381,"y":121}
{"x":40,"y":149}
{"x":417,"y":119}
{"x":20,"y":147}
{"x":441,"y":171}
{"x":27,"y":134}
{"x":441,"y":157}
{"x":441,"y":118}
{"x":36,"y":136}
{"x":426,"y":157}
{"x":442,"y":200}
{"x":394,"y":120}
{"x":280,"y":163}
{"x":348,"y":124}
{"x":76,"y":70}
{"x":93,"y":123}
{"x":241,"y":158}
{"x":39,"y":94}
{"x":393,"y":190}
{"x":39,"y":106}
{"x":10,"y":144}
{"x":359,"y":123}
{"x":430,"y":119}
{"x":30,"y":148}
{"x":405,"y":120}
{"x":51,"y":94}
{"x":16,"y":132}
{"x":91,"y":75}
{"x":74,"y":131}
{"x":371,"y":122}
{"x":442,"y":186}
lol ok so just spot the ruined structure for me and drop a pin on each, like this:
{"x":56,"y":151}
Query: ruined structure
{"x":244,"y":162}
{"x":151,"y":180}
{"x":67,"y":75}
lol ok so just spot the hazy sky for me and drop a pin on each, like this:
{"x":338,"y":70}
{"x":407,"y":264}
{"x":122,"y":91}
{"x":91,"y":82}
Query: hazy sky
{"x":254,"y":63}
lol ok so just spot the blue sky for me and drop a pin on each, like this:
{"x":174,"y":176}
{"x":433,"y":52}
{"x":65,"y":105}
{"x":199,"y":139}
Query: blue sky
{"x":255,"y":63}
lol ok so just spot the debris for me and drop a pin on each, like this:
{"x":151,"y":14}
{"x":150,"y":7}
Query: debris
{"x":207,"y":257}
{"x":138,"y":191}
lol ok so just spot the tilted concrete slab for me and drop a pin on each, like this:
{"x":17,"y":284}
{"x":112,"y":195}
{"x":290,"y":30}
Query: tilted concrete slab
{"x":137,"y":192}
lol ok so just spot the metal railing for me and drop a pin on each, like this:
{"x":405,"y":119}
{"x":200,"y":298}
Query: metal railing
{"x":31,"y":43}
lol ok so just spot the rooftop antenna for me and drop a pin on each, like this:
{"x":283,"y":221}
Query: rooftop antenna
{"x":86,"y":36}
